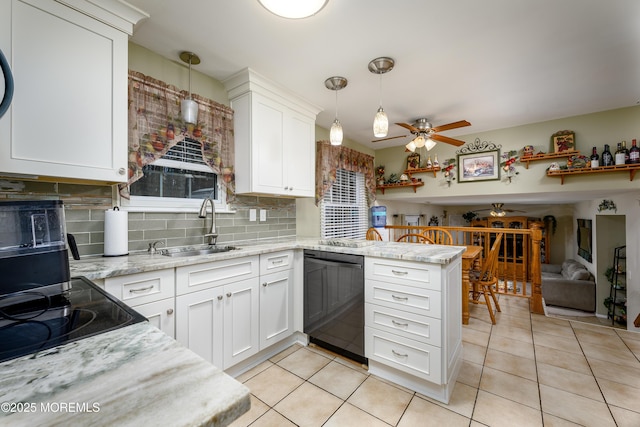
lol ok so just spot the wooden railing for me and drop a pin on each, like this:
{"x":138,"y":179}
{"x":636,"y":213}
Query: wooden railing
{"x":519,"y":257}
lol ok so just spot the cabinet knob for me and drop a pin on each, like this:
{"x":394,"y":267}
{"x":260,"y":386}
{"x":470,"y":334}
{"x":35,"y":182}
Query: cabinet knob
{"x":170,"y":311}
{"x":265,"y":284}
{"x":228,"y":294}
{"x":286,"y":188}
{"x":219,"y":297}
{"x":122,"y":171}
{"x":290,"y":188}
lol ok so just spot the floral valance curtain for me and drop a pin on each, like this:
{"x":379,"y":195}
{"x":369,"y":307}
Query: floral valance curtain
{"x":155,"y":125}
{"x":330,"y":158}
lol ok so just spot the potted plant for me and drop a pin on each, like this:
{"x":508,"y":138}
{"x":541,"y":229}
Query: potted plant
{"x":469,"y":216}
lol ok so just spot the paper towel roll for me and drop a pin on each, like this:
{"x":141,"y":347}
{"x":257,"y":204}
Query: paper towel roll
{"x":116,"y":232}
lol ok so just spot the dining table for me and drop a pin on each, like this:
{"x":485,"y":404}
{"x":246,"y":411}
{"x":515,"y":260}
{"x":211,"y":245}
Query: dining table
{"x":470,"y":257}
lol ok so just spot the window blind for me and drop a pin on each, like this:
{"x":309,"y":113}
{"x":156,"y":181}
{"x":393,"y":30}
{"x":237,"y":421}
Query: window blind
{"x":344,"y":210}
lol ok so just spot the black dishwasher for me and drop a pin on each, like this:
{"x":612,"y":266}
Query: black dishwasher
{"x":334,"y":302}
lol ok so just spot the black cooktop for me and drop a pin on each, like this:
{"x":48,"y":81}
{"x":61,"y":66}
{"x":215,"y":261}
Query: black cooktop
{"x":31,"y":321}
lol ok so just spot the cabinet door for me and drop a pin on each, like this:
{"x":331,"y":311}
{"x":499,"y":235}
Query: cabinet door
{"x":199,"y":327}
{"x":276,"y":307}
{"x":68,"y":118}
{"x":160,"y":314}
{"x":267,"y":145}
{"x":241,"y":327}
{"x":300,"y":156}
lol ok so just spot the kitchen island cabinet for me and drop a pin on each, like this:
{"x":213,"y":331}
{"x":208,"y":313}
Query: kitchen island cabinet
{"x":133,"y":376}
{"x":68,"y":119}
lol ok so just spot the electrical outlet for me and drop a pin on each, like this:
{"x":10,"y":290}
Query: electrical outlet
{"x":263,"y":214}
{"x":252,"y":214}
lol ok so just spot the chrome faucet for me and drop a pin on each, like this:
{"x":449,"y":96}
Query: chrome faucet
{"x":212,"y":235}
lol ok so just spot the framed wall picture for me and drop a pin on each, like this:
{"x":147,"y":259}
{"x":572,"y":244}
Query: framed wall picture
{"x":413,"y":161}
{"x":563,"y":140}
{"x":481,"y":166}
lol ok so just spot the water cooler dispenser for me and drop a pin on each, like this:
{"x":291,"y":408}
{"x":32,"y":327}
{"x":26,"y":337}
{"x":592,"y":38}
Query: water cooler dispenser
{"x":379,"y":220}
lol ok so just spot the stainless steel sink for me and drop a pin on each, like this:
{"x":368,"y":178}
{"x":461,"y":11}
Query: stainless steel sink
{"x":191,"y":251}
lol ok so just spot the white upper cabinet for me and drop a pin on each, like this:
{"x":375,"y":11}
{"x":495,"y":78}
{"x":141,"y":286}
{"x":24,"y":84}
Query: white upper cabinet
{"x":274,"y":137}
{"x":68,"y":119}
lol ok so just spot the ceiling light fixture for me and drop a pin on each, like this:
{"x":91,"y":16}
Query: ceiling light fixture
{"x":293,"y":9}
{"x":189,"y":107}
{"x":336,"y":83}
{"x":497,"y":210}
{"x":381,"y":66}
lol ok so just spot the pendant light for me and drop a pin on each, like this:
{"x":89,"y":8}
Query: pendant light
{"x":293,"y":9}
{"x":381,"y":66}
{"x":336,"y":83}
{"x":189,"y":107}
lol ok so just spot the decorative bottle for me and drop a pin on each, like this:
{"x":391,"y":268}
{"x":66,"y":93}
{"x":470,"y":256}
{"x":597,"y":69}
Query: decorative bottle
{"x":595,"y":158}
{"x":607,"y":157}
{"x":429,"y":164}
{"x":619,"y":155}
{"x":634,"y":152}
{"x":435,"y":161}
{"x":625,"y":150}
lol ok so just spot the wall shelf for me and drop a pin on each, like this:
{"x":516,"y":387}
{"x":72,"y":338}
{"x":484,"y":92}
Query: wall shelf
{"x":433,"y":169}
{"x":550,"y":156}
{"x":632,"y":169}
{"x":415,"y":186}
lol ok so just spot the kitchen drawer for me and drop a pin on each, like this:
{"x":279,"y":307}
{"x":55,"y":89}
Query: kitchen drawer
{"x":276,"y":261}
{"x":141,"y":288}
{"x":425,"y":302}
{"x":195,"y":277}
{"x":416,"y":358}
{"x":413,"y":326}
{"x":403,"y":272}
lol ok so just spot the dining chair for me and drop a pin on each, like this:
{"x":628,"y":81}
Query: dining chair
{"x":440,"y":236}
{"x":373,"y":234}
{"x":414,"y":238}
{"x":486,"y":278}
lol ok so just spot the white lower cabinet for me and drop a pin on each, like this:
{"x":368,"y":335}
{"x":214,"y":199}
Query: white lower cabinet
{"x":151,"y":294}
{"x":220,"y":323}
{"x":413,"y":323}
{"x":276,"y":307}
{"x":160,"y":314}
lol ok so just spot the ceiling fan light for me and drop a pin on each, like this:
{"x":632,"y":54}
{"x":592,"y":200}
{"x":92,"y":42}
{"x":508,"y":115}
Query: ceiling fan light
{"x":430,"y":144}
{"x":419,"y":141}
{"x":293,"y":9}
{"x":411,"y":146}
{"x":380,"y":124}
{"x":498,"y":213}
{"x":335,"y":134}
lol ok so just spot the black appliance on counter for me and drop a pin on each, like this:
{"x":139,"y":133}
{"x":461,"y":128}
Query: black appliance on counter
{"x":41,"y":306}
{"x":334,"y":302}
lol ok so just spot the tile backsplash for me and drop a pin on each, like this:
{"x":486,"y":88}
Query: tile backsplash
{"x":85,"y":206}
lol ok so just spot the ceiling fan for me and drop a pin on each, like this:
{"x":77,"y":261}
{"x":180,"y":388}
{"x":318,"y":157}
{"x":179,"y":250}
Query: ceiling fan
{"x":426,"y":135}
{"x":497,"y":210}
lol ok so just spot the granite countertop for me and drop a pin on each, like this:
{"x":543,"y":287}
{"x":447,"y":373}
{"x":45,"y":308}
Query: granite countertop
{"x":132,"y":376}
{"x":102,"y":267}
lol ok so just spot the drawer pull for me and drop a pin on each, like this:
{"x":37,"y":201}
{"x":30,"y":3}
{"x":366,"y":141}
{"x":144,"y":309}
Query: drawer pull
{"x":265,"y":284}
{"x":397,"y":298}
{"x":395,"y":353}
{"x":228,"y":294}
{"x":277,"y":261}
{"x":396,"y":323}
{"x":219,"y":297}
{"x":139,"y":290}
{"x":399,"y":273}
{"x":170,"y":311}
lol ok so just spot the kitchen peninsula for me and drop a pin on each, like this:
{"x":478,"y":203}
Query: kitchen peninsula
{"x":139,"y":375}
{"x":413,"y":298}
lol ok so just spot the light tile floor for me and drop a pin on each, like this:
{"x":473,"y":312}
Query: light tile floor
{"x":527,"y":370}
